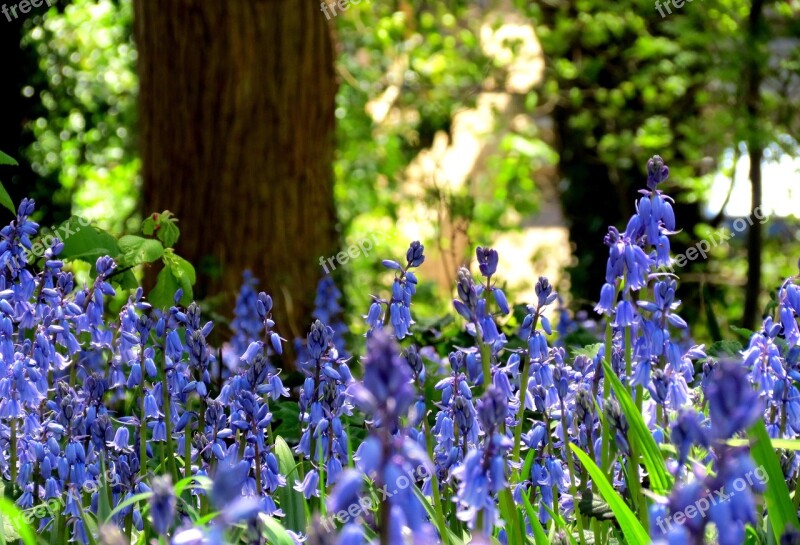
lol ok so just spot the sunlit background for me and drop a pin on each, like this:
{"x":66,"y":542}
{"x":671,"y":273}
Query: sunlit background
{"x":525,"y":126}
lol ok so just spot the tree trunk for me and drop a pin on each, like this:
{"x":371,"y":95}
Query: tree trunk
{"x":236,"y":115}
{"x":755,"y":148}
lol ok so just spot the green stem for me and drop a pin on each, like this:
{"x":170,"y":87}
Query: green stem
{"x":606,"y":443}
{"x":573,"y":489}
{"x":486,"y":362}
{"x":437,"y":499}
{"x":633,"y":461}
{"x":168,"y":417}
{"x":187,"y":449}
{"x":12,"y":488}
{"x":523,"y":389}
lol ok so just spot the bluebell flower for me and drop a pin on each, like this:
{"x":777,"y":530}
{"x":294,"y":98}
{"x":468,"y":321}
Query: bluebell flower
{"x":732,"y":404}
{"x":162,"y":504}
{"x":482,"y":474}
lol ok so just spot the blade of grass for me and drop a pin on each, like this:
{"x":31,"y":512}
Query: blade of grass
{"x":452,"y":537}
{"x":632,"y":529}
{"x":14,"y":515}
{"x":779,"y":504}
{"x":660,"y":479}
{"x":291,"y":501}
{"x":276,"y":534}
{"x":539,"y":537}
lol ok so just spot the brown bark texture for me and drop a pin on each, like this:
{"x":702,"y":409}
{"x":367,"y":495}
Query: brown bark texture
{"x":237,"y":119}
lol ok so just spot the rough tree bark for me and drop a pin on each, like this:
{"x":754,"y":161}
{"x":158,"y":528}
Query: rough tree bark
{"x":237,"y":119}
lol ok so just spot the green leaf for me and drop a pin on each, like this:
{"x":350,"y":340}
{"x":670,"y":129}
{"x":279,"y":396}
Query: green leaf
{"x":724,"y":348}
{"x":169,"y":233}
{"x":510,"y":515}
{"x":589,"y":351}
{"x":136,"y":498}
{"x":292,"y":502}
{"x":103,"y":503}
{"x":163,"y":293}
{"x":12,"y":513}
{"x":539,"y":535}
{"x":632,"y":529}
{"x":163,"y":226}
{"x":780,"y":509}
{"x":7,"y":160}
{"x":784,"y":444}
{"x":184,"y":274}
{"x":451,"y":536}
{"x":276,"y":534}
{"x":5,"y":199}
{"x":742,"y":332}
{"x":137,"y":250}
{"x":84,"y":241}
{"x":660,"y":479}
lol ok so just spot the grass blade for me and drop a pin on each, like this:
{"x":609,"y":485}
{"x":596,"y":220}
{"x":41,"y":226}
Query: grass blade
{"x":452,"y":538}
{"x":539,"y":536}
{"x":632,"y":529}
{"x":276,"y":534}
{"x":660,"y":479}
{"x":779,"y":504}
{"x":13,"y":514}
{"x":292,"y":502}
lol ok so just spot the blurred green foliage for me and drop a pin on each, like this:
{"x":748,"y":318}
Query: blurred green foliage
{"x":86,"y":82}
{"x":620,"y":84}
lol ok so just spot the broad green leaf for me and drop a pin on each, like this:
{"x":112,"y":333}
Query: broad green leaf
{"x":12,"y":513}
{"x":5,"y":199}
{"x":137,"y":250}
{"x":276,"y":534}
{"x":163,"y":293}
{"x":780,"y":509}
{"x":183,"y":273}
{"x":292,"y":502}
{"x":163,"y":226}
{"x":169,"y":233}
{"x":724,"y":348}
{"x":84,"y":241}
{"x":660,"y":479}
{"x":7,"y":160}
{"x":590,"y":351}
{"x":632,"y":529}
{"x":103,"y":502}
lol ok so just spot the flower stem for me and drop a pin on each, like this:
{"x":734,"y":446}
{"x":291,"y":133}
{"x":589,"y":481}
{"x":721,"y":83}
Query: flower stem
{"x":523,"y":389}
{"x":437,"y":500}
{"x":573,"y":489}
{"x":13,"y":461}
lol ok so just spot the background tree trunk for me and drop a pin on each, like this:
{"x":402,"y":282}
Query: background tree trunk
{"x":753,"y":78}
{"x":237,"y":120}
